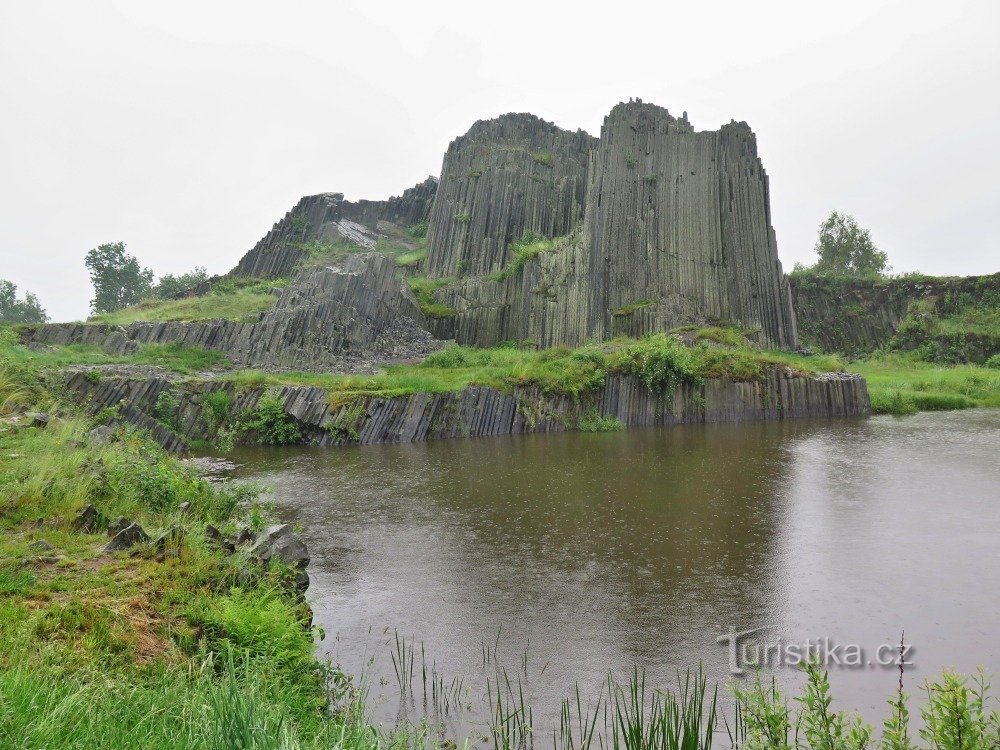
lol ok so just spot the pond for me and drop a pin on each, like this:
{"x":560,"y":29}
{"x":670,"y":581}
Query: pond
{"x":561,"y":557}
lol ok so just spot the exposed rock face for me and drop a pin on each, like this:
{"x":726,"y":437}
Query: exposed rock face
{"x":350,"y":317}
{"x":660,"y":226}
{"x":505,"y":176}
{"x":676,"y":230}
{"x":329,"y":218}
{"x":857,"y":316}
{"x":480,"y":411}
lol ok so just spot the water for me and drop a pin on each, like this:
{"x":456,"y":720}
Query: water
{"x":600,"y":552}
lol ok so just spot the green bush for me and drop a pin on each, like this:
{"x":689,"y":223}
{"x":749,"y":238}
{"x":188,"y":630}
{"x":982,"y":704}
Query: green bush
{"x":594,"y":422}
{"x":165,"y":410}
{"x":272,"y":425}
{"x":993,"y":362}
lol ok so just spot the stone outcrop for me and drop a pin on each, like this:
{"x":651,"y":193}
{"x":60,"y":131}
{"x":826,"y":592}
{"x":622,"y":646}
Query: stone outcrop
{"x":506,"y":176}
{"x":858,"y":316}
{"x":350,"y":317}
{"x":328,"y":218}
{"x":480,"y":411}
{"x":676,"y":230}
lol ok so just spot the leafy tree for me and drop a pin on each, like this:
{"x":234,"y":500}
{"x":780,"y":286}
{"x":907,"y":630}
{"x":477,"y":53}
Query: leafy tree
{"x":14,"y":310}
{"x":846,"y":249}
{"x":170,"y":286}
{"x":118,"y":279}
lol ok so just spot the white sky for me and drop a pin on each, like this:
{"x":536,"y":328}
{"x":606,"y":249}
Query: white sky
{"x":185,"y":129}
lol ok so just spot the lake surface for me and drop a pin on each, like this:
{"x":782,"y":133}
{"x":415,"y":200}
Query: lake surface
{"x":597,"y":552}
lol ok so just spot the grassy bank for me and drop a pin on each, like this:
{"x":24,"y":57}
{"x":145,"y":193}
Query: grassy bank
{"x":660,"y":360}
{"x":233,"y":299}
{"x":166,"y":647}
{"x":901,"y":384}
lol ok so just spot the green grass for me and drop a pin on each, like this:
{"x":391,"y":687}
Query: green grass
{"x":662,"y":361}
{"x":527,"y":248}
{"x":901,"y":384}
{"x":240,"y":300}
{"x":176,"y":357}
{"x":423,"y":289}
{"x":151,"y":649}
{"x":631,"y":307}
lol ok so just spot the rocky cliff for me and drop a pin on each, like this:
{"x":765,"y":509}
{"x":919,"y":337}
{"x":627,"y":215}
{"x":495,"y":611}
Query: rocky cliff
{"x":349,"y":317}
{"x":950,"y":319}
{"x":675,"y":230}
{"x":533,"y":233}
{"x":475,"y":411}
{"x":319,"y":220}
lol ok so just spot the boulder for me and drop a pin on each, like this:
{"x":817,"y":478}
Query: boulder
{"x":119,"y":524}
{"x":101,"y":435}
{"x":128,"y":537}
{"x":39,"y":419}
{"x":279,"y":542}
{"x":88,"y":520}
{"x":40,"y":545}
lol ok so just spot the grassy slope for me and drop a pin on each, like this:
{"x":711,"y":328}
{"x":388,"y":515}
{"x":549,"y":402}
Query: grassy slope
{"x":903,"y":385}
{"x":145,"y":650}
{"x":658,"y":359}
{"x":235,"y":299}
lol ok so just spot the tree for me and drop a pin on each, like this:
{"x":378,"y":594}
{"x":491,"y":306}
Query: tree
{"x":118,"y":279}
{"x":845,"y":249}
{"x":170,"y":286}
{"x":13,"y":310}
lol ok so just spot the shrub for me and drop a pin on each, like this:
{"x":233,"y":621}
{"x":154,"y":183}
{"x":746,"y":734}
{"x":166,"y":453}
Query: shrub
{"x":661,"y":361}
{"x":544,"y":158}
{"x":272,"y":425}
{"x":594,"y":422}
{"x":993,"y":362}
{"x":165,"y":410}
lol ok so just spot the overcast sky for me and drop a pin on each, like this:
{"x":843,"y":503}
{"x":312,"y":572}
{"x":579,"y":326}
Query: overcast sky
{"x":186,"y":129}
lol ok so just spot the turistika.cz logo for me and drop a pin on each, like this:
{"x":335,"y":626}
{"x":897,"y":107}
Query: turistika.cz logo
{"x":748,"y":652}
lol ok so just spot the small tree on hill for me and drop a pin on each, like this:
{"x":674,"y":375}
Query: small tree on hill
{"x":846,"y":249}
{"x":118,"y":279}
{"x":14,"y":310}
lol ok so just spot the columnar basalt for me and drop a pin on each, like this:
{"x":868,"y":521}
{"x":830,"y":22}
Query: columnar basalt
{"x":328,"y":218}
{"x":350,"y":317}
{"x":506,"y":176}
{"x":676,"y":230}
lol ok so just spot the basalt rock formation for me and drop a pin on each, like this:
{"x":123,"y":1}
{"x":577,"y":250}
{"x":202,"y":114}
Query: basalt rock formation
{"x":676,"y":230}
{"x":858,"y":316}
{"x":479,"y":411}
{"x":350,"y":317}
{"x":328,"y":218}
{"x":533,"y":233}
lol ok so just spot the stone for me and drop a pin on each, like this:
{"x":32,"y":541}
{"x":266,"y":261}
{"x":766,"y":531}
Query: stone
{"x":39,"y":419}
{"x":279,"y":542}
{"x":118,"y":524}
{"x":101,"y":435}
{"x":184,"y":507}
{"x":301,"y":580}
{"x":245,"y":536}
{"x":88,"y":520}
{"x":212,"y":534}
{"x":40,"y":545}
{"x":127,"y":538}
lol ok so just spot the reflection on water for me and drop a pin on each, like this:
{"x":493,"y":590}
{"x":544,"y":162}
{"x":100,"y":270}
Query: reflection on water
{"x":598,"y":552}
